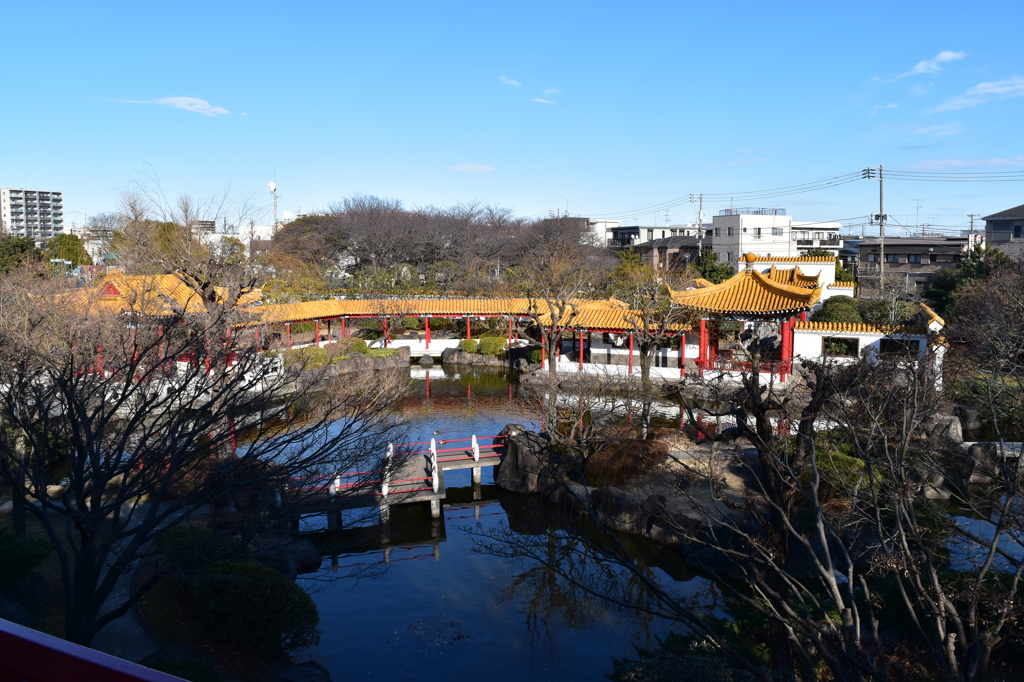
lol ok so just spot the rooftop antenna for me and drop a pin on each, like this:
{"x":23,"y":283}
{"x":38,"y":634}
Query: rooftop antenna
{"x":566,"y":204}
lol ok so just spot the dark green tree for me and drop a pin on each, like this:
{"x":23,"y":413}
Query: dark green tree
{"x":710,"y":269}
{"x":979,"y":264}
{"x":70,"y":248}
{"x":841,"y":309}
{"x":16,"y":251}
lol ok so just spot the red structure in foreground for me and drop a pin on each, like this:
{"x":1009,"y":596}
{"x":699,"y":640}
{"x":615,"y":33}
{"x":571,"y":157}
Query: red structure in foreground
{"x":27,"y":655}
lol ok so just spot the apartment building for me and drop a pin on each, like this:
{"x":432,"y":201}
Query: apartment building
{"x":769,"y":233}
{"x":1005,"y":230}
{"x":31,"y":213}
{"x":912,"y":260}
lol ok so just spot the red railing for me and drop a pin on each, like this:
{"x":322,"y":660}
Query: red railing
{"x":28,"y":655}
{"x":729,"y":365}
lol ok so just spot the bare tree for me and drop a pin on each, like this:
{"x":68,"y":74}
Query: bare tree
{"x":139,"y":420}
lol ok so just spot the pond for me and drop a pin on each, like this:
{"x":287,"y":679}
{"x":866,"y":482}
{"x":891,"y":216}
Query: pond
{"x":436,"y":607}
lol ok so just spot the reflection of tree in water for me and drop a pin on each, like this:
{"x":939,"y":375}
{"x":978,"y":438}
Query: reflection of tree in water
{"x":569,"y":581}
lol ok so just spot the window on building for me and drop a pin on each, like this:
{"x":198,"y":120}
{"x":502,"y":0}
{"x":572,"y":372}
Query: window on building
{"x":839,"y":347}
{"x":912,"y":258}
{"x":819,"y":235}
{"x":776,"y":231}
{"x":729,"y":231}
{"x":892,"y":258}
{"x":872,"y":258}
{"x":907,"y":347}
{"x":932,"y":258}
{"x":757,"y":233}
{"x":718,"y":232}
{"x":1016,"y":231}
{"x":650,"y":235}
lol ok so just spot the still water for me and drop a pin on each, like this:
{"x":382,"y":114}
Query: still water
{"x":440,"y":608}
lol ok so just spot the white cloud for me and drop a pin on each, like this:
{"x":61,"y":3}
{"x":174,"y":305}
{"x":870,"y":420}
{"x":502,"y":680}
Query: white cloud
{"x":985,"y":92}
{"x":879,"y":107}
{"x":508,"y":81}
{"x":955,"y":164}
{"x":199,"y":106}
{"x":244,"y":114}
{"x":471,"y":168}
{"x":940,"y":130}
{"x":919,"y":89}
{"x":933,"y":65}
{"x":542,"y":101}
{"x":551,"y":91}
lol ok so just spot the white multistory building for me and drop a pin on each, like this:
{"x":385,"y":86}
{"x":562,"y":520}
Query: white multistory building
{"x":769,"y":232}
{"x":31,"y":213}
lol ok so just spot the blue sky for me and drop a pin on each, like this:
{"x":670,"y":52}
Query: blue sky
{"x":618,"y":106}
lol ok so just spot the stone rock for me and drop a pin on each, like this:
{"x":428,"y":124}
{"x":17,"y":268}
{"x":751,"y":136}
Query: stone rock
{"x":970,"y":417}
{"x":521,"y":365}
{"x":526,"y":457}
{"x":944,"y":430}
{"x":307,"y":556}
{"x":984,"y":460}
{"x":426,"y":361}
{"x":305,"y":672}
{"x":932,"y":492}
{"x":448,"y":356}
{"x":615,"y":508}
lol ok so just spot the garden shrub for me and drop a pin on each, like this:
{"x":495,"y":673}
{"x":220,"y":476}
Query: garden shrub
{"x":381,"y":352}
{"x":534,"y":356}
{"x":492,"y":345}
{"x":310,"y":357}
{"x":21,"y":556}
{"x":839,"y":309}
{"x":300,"y":327}
{"x":185,"y":543}
{"x":412,"y":323}
{"x":345,"y":346}
{"x":623,"y":463}
{"x":469,"y":345}
{"x":255,"y":608}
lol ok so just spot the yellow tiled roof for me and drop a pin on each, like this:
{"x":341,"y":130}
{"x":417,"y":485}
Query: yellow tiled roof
{"x":151,"y":295}
{"x":793,"y":277}
{"x":930,"y":315}
{"x":842,"y":285}
{"x":749,"y":292}
{"x":413,"y":307}
{"x":795,"y":259}
{"x":857,"y":328}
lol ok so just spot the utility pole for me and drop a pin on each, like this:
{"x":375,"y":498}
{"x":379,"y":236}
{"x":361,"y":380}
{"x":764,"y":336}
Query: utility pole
{"x":970,"y":240}
{"x":869,"y":173}
{"x":700,"y":222}
{"x":917,"y":216}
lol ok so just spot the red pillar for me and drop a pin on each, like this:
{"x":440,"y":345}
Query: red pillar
{"x":385,"y":332}
{"x":329,"y":337}
{"x":581,"y":350}
{"x":343,"y":327}
{"x":631,"y":352}
{"x":702,"y":353}
{"x":426,"y":323}
{"x":316,"y":331}
{"x":543,"y":355}
{"x":803,"y":316}
{"x":469,"y":332}
{"x":288,"y":329}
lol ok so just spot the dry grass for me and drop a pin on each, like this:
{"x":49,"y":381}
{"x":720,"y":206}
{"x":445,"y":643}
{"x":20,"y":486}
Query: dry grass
{"x":624,"y":463}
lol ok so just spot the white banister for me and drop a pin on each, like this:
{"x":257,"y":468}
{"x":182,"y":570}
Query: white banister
{"x":476,"y":449}
{"x":433,"y":463}
{"x":385,"y":485}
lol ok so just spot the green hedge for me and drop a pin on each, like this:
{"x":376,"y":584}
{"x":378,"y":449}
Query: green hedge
{"x":310,"y":357}
{"x":411,"y":323}
{"x":469,"y":345}
{"x":184,"y":544}
{"x":381,"y":352}
{"x":534,"y":355}
{"x":255,"y":608}
{"x":492,"y":345}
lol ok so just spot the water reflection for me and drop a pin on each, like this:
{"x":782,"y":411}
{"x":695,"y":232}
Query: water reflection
{"x":429,"y":604}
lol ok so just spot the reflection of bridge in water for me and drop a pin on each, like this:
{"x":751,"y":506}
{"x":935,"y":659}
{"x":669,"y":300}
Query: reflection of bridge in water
{"x":408,"y":476}
{"x":413,"y":536}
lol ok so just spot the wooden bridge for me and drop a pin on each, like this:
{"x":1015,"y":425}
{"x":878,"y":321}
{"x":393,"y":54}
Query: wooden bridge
{"x":408,"y":476}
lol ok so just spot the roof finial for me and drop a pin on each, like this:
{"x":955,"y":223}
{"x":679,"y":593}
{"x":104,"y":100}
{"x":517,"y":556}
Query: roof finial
{"x":750,"y":258}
